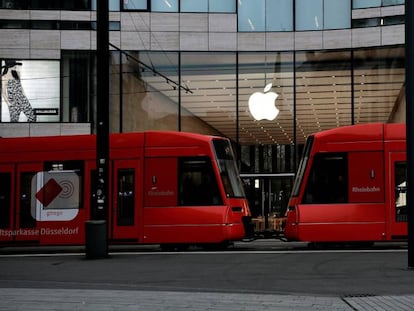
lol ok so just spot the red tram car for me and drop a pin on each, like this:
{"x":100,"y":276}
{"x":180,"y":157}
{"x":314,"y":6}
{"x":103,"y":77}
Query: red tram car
{"x":165,"y":188}
{"x":351,"y":186}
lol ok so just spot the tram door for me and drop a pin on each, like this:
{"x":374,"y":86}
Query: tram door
{"x":25,"y":224}
{"x":398,"y":193}
{"x":6,"y":203}
{"x":268,"y":199}
{"x":127,"y":200}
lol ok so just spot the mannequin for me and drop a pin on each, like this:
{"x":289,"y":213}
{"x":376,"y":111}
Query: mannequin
{"x":13,"y":93}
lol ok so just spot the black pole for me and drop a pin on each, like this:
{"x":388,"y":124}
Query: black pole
{"x":409,"y":81}
{"x":102,"y":109}
{"x":96,"y":236}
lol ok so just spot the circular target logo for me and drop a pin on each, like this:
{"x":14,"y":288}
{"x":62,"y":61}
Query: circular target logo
{"x":67,"y":189}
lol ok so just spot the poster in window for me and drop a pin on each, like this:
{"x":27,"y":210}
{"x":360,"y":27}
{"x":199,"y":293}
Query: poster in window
{"x":30,"y":91}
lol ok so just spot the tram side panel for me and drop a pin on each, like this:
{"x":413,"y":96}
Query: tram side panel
{"x":370,"y":206}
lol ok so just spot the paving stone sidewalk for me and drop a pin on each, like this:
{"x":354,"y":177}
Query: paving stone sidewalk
{"x":20,"y":299}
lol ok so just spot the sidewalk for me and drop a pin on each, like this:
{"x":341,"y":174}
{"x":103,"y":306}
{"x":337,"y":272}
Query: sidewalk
{"x":23,"y":299}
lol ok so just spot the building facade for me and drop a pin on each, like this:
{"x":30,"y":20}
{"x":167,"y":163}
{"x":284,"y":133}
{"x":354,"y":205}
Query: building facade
{"x":192,"y":65}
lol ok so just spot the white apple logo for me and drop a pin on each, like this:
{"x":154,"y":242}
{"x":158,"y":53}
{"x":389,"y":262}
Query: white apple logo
{"x":262,"y":105}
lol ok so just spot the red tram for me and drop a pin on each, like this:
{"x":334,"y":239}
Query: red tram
{"x":351,"y":186}
{"x":165,"y":188}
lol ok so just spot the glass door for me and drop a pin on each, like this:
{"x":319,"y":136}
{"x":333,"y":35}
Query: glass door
{"x":268,"y":196}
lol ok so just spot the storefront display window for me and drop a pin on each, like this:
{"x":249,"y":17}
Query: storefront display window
{"x":30,"y":91}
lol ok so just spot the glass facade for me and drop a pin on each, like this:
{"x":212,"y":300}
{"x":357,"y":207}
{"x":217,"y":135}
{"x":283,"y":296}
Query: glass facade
{"x":212,"y":6}
{"x":210,"y":93}
{"x":279,"y":15}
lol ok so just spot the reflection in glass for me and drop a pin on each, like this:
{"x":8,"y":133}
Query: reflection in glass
{"x":309,"y":15}
{"x":194,"y":5}
{"x":279,"y":15}
{"x":379,"y":76}
{"x":149,"y":101}
{"x":392,"y":2}
{"x":222,"y":6}
{"x":323,"y":91}
{"x":359,"y":4}
{"x":211,"y":107}
{"x":135,"y":5}
{"x":251,"y":15}
{"x":337,"y":14}
{"x":164,"y":5}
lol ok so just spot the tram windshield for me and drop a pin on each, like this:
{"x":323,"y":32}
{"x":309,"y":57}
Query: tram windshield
{"x":302,"y":166}
{"x":228,"y":170}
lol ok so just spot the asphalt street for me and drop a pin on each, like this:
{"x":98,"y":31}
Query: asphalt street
{"x":262,"y":275}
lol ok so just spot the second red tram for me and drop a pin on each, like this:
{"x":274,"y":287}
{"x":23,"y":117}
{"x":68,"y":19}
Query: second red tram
{"x":351,"y":186}
{"x":165,"y":188}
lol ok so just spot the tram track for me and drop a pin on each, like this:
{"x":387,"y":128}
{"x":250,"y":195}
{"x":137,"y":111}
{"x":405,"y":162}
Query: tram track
{"x":260,"y":246}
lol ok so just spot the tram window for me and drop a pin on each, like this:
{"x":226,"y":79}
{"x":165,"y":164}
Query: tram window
{"x":26,"y":218}
{"x":5,"y":189}
{"x":126,"y":185}
{"x":197,"y":182}
{"x":400,"y":191}
{"x":327,"y":182}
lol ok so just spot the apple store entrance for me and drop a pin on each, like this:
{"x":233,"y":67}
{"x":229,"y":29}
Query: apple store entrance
{"x":268,"y":196}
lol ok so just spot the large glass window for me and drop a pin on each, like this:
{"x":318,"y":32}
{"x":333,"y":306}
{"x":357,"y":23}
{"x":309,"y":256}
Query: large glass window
{"x":150,"y":91}
{"x":337,"y":14}
{"x":222,"y":6}
{"x":265,"y":141}
{"x":135,"y":5}
{"x":78,"y":82}
{"x":359,"y":4}
{"x":323,"y":91}
{"x":212,"y":6}
{"x":194,"y":5}
{"x":279,"y":15}
{"x":210,"y":106}
{"x":309,"y":15}
{"x":392,"y":2}
{"x":164,"y":5}
{"x":379,"y":76}
{"x":251,"y":15}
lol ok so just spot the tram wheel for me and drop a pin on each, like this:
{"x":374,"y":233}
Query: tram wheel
{"x":174,"y":247}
